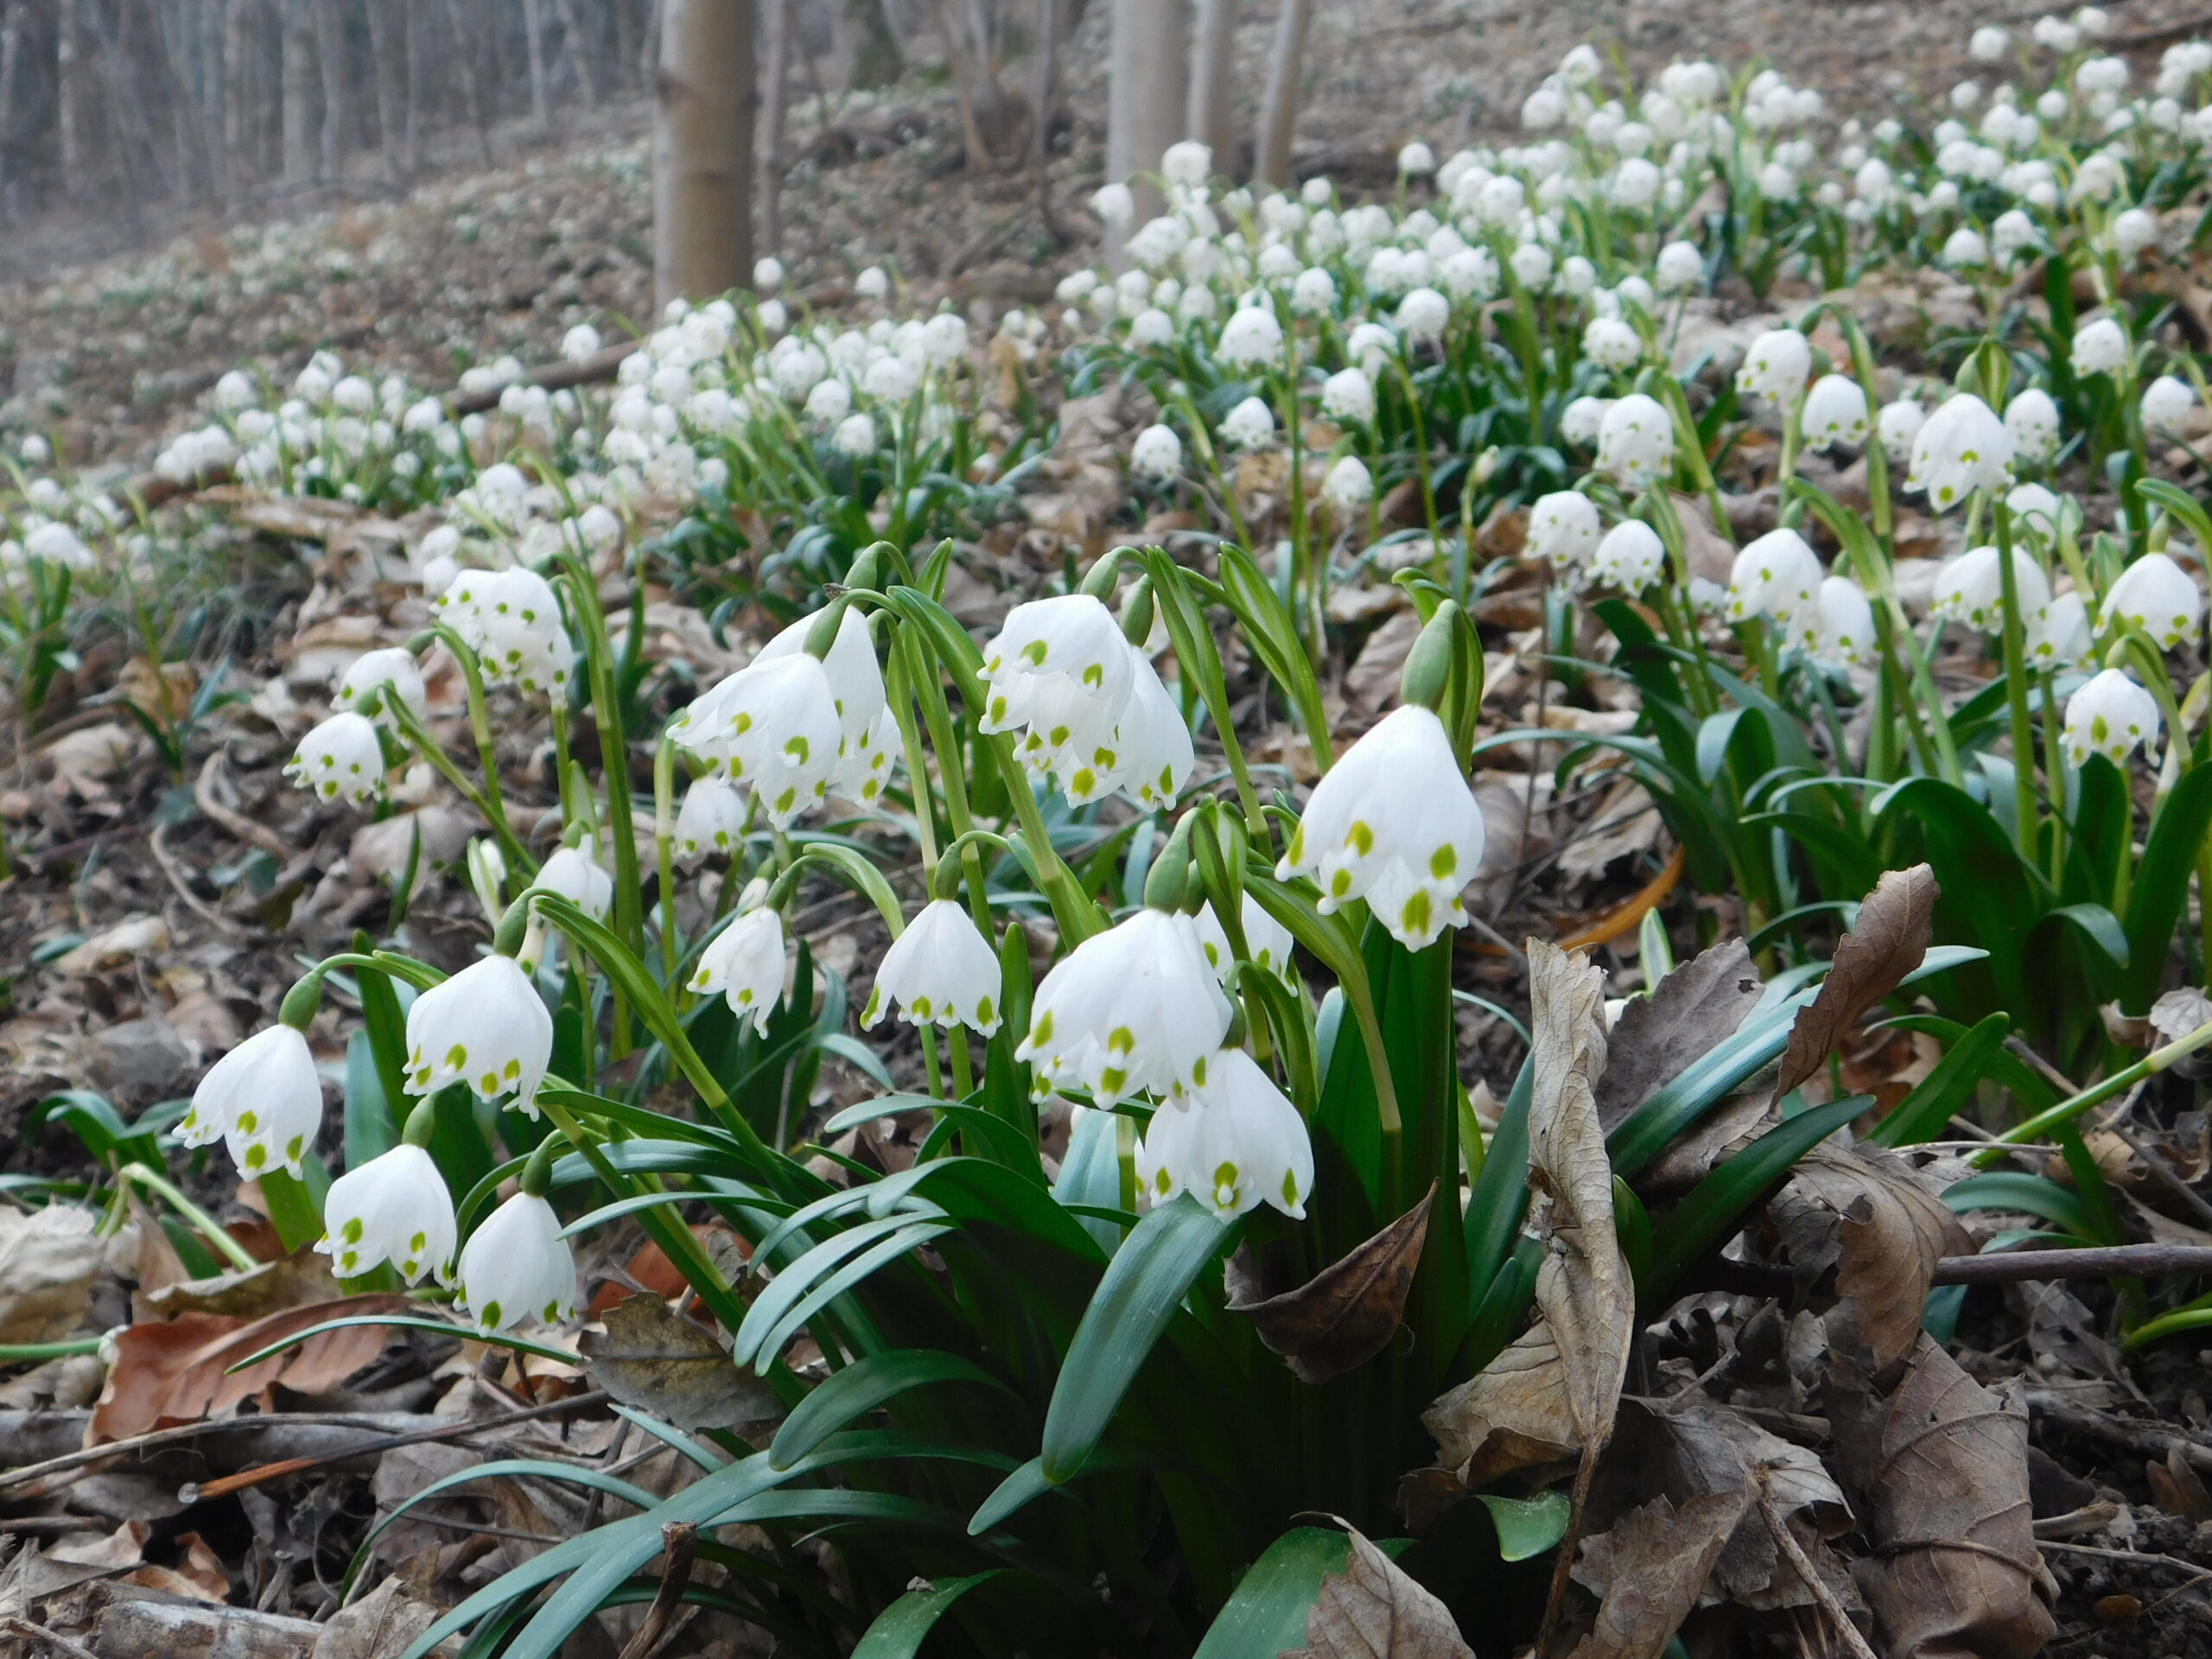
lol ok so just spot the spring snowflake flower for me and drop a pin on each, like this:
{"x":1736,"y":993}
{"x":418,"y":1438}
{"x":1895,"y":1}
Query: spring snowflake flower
{"x":1133,"y":1010}
{"x":1896,"y":427}
{"x":772,"y":725}
{"x":1990,"y":43}
{"x":854,"y":437}
{"x":1422,"y":314}
{"x":1636,"y":441}
{"x":1838,"y":629}
{"x":1150,"y":329}
{"x":1348,"y":397}
{"x":941,"y":970}
{"x":262,"y":1099}
{"x":395,"y":1209}
{"x":59,"y":544}
{"x":1314,"y":292}
{"x":745,"y":962}
{"x":2099,"y":347}
{"x":2157,"y":595}
{"x":1563,"y":529}
{"x":1834,"y":412}
{"x":1394,"y":823}
{"x":1582,"y":420}
{"x":2109,"y":715}
{"x":1238,"y":1142}
{"x":1268,"y":940}
{"x":1970,"y":588}
{"x":1251,"y":338}
{"x":1115,"y":206}
{"x":340,"y":758}
{"x":1157,"y":453}
{"x":1249,"y":425}
{"x":1778,"y":575}
{"x":574,"y":874}
{"x":581,"y":343}
{"x":512,"y":620}
{"x":829,"y":402}
{"x":866,"y":730}
{"x":1629,"y":557}
{"x":2133,"y":230}
{"x":1417,"y":160}
{"x":2166,"y":402}
{"x":873,"y":283}
{"x":711,"y":821}
{"x":2058,"y":635}
{"x":1965,"y":249}
{"x":767,"y":274}
{"x":1348,"y":485}
{"x":2031,"y":422}
{"x":516,"y":1266}
{"x":1612,"y":344}
{"x":1776,"y":366}
{"x":485,"y":1027}
{"x":1962,"y":447}
{"x":1679,"y":268}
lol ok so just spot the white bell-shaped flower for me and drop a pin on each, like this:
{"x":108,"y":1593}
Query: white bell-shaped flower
{"x":1896,"y":427}
{"x":865,"y":767}
{"x":2109,"y":715}
{"x":1268,"y":940}
{"x":1636,"y":441}
{"x":393,"y":672}
{"x":1060,"y":673}
{"x":512,"y":621}
{"x":2099,"y":347}
{"x":1776,"y":366}
{"x":2058,"y":635}
{"x":1348,"y":396}
{"x":1348,"y":485}
{"x":1249,"y":425}
{"x":574,"y":872}
{"x":773,"y":726}
{"x":711,"y":821}
{"x":1836,"y":412}
{"x":1629,"y":557}
{"x":1839,"y":628}
{"x":392,"y":1209}
{"x":2031,"y":422}
{"x":2166,"y":402}
{"x":941,"y":970}
{"x":1610,"y":343}
{"x":1971,"y":588}
{"x":2157,"y":595}
{"x":1394,"y":823}
{"x":1962,"y":447}
{"x":1157,"y":453}
{"x":1778,"y":575}
{"x":516,"y":1266}
{"x":1251,"y":338}
{"x":1244,"y":1144}
{"x":855,"y":679}
{"x":1130,"y":1011}
{"x":745,"y":962}
{"x":485,"y":1027}
{"x":1151,"y":756}
{"x":341,"y":759}
{"x":264,"y":1099}
{"x":1563,"y":528}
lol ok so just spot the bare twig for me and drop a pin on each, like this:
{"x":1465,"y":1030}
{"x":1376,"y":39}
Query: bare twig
{"x":2151,"y":1439}
{"x":40,"y":1634}
{"x":205,"y":797}
{"x":680,"y":1538}
{"x":2107,"y":1261}
{"x":1778,"y":1524}
{"x":179,"y":883}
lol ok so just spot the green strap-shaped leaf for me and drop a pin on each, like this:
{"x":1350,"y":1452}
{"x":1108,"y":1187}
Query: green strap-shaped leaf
{"x":1923,"y":1113}
{"x":899,"y":1629}
{"x":1527,"y":1526}
{"x":1143,"y":1286}
{"x":1265,"y":1615}
{"x":2160,"y":887}
{"x":848,"y":1396}
{"x":2011,"y":1190}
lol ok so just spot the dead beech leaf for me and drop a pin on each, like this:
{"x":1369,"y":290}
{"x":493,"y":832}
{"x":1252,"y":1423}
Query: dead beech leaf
{"x":1895,"y":924}
{"x":49,"y":1258}
{"x":1938,"y":1473}
{"x":1347,"y":1312}
{"x":1688,"y":1015}
{"x":1867,"y":1212}
{"x":179,"y":1372}
{"x":1373,"y":1611}
{"x":1553,"y":1392}
{"x":248,"y":1293}
{"x":1651,"y":1569}
{"x":653,"y":1357}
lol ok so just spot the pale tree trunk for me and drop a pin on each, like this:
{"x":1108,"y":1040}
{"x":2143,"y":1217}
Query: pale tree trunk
{"x":985,"y":113}
{"x":1211,"y":119}
{"x":464,"y":57}
{"x":298,"y":91}
{"x":533,"y":23}
{"x":69,"y":98}
{"x":1042,"y":66}
{"x":775,"y":72}
{"x":1279,"y":104}
{"x":236,"y":132}
{"x":385,"y":64}
{"x":412,"y":15}
{"x":215,"y":79}
{"x":337,"y":109}
{"x":702,"y":148}
{"x":11,"y":53}
{"x":581,"y":48}
{"x":1144,"y":110}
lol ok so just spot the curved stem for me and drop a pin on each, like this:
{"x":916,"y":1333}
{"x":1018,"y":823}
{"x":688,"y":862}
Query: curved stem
{"x":201,"y":1222}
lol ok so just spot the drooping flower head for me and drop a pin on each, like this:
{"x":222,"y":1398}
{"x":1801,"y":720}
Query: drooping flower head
{"x":2109,"y":715}
{"x":485,"y":1027}
{"x":262,"y":1099}
{"x":1133,"y":1010}
{"x":342,"y":759}
{"x":1962,"y":447}
{"x":941,"y":970}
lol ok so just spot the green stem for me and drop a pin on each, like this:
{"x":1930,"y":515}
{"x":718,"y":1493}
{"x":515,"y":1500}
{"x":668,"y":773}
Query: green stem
{"x":2016,"y":688}
{"x":2157,"y":1060}
{"x":199,"y":1221}
{"x":510,"y":848}
{"x":664,"y":852}
{"x":28,"y":1353}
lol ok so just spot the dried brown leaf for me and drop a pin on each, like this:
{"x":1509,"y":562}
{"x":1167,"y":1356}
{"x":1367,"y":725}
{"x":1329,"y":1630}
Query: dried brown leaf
{"x":1651,"y":1567}
{"x":1686,"y":1016}
{"x":49,"y":1258}
{"x":1867,"y":1213}
{"x":248,"y":1293}
{"x":1373,"y":1611}
{"x":1510,"y":1415}
{"x":1895,"y":924}
{"x":1938,"y":1472}
{"x":1347,"y":1312}
{"x":653,"y":1357}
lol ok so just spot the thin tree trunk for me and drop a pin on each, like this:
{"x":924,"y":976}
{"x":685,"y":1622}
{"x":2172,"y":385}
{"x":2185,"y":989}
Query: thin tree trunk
{"x":471,"y":88}
{"x":235,"y":131}
{"x":876,"y":57}
{"x":533,"y":23}
{"x":210,"y":28}
{"x":298,"y":24}
{"x":410,"y":155}
{"x":384,"y":64}
{"x":69,"y":98}
{"x":984,"y":111}
{"x":11,"y":51}
{"x":1144,"y":111}
{"x":1279,"y":104}
{"x":1211,"y":117}
{"x":768,"y":189}
{"x":648,"y":45}
{"x":581,"y":48}
{"x":1043,"y":65}
{"x":702,"y":148}
{"x":337,"y":105}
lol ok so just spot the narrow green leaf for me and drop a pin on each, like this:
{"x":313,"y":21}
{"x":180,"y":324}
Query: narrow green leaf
{"x":899,"y":1629}
{"x":1266,"y":1614}
{"x":1923,"y":1113}
{"x":1527,"y":1526}
{"x":872,"y":1379}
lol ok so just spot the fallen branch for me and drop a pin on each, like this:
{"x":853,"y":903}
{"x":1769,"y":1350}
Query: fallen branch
{"x":2103,"y":1261}
{"x":2151,"y":1439}
{"x":681,"y":1540}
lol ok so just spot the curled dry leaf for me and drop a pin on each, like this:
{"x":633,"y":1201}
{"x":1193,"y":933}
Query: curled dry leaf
{"x":1651,"y":1569}
{"x":1867,"y":1213}
{"x":49,"y":1258}
{"x":1347,"y":1312}
{"x":1895,"y":924}
{"x":1938,"y":1472}
{"x":1373,"y":1611}
{"x":1688,"y":1015}
{"x":1553,"y":1391}
{"x":653,"y":1357}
